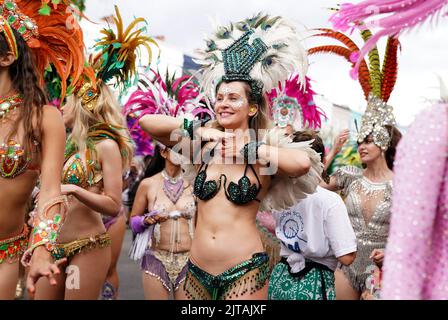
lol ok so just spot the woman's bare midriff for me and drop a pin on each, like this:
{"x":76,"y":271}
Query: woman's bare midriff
{"x":224,"y":238}
{"x":15,"y":197}
{"x":81,"y":221}
{"x":165,"y":237}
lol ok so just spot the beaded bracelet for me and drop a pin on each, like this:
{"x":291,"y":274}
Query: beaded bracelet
{"x":190,"y":125}
{"x":46,"y":230}
{"x":250,"y":149}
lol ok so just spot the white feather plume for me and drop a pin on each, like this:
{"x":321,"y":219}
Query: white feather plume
{"x":284,"y":192}
{"x":285,"y":51}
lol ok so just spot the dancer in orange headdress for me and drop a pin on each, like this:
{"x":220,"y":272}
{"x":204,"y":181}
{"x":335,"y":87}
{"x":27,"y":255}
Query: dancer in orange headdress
{"x":32,"y":134}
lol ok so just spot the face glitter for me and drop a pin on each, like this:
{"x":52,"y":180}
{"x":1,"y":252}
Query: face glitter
{"x":233,"y":98}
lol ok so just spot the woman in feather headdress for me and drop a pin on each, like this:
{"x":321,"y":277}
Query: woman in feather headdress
{"x":415,"y":266}
{"x":98,"y":151}
{"x":315,"y":233}
{"x":368,"y":192}
{"x":32,"y":133}
{"x":164,"y":209}
{"x":242,"y":61}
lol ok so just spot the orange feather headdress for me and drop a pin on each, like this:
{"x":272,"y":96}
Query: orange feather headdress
{"x":53,"y":37}
{"x":377,"y":83}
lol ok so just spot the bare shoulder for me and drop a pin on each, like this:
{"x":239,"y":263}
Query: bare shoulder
{"x":52,"y":123}
{"x":151,"y":182}
{"x":108,"y":148}
{"x":51,"y":116}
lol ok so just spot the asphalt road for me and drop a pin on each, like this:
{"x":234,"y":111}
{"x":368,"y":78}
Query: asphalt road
{"x":129,"y":273}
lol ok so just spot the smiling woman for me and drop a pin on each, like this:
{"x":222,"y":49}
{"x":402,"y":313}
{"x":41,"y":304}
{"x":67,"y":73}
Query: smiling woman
{"x":368,"y":192}
{"x":234,"y":100}
{"x":233,"y":181}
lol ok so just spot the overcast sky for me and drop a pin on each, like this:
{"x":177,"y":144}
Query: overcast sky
{"x":185,"y":24}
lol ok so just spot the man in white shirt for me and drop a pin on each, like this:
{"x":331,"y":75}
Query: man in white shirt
{"x":315,"y":235}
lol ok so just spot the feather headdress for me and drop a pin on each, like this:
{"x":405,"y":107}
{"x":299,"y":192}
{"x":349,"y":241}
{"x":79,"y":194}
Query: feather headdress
{"x":376,"y":82}
{"x":390,"y":17}
{"x":51,"y":37}
{"x":262,"y":50}
{"x":116,"y":59}
{"x":167,"y":95}
{"x":295,"y":106}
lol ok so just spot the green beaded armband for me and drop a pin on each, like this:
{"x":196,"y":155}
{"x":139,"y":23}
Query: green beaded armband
{"x":250,"y":151}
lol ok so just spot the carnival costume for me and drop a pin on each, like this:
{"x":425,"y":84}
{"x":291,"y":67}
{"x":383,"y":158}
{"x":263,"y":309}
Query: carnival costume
{"x":262,"y":51}
{"x":174,"y":97}
{"x":368,"y":203}
{"x":50,"y":42}
{"x":416,"y":252}
{"x":114,"y":60}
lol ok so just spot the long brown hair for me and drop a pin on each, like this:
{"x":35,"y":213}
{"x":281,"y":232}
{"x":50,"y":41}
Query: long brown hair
{"x":395,"y":137}
{"x":25,"y":81}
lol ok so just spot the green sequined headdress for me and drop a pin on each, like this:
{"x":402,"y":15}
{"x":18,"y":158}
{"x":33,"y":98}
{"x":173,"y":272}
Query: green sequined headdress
{"x":262,"y":51}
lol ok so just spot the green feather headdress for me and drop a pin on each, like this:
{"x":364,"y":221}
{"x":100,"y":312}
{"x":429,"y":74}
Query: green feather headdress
{"x":263,"y":51}
{"x":116,"y":58}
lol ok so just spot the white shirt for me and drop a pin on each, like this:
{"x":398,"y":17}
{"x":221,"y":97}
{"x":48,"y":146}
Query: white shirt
{"x":317,"y":228}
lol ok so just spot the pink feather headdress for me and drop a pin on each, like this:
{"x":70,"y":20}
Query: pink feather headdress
{"x":390,"y":17}
{"x":289,"y":96}
{"x":170,"y":96}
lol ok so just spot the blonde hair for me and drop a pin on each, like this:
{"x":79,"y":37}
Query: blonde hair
{"x":106,"y":110}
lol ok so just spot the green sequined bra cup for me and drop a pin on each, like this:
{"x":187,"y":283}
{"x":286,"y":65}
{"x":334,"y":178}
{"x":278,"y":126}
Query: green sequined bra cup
{"x":239,"y":193}
{"x":248,"y":276}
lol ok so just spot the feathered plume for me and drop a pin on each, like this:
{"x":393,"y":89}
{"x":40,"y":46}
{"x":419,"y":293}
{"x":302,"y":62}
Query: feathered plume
{"x":170,"y":96}
{"x":118,"y":52}
{"x":310,"y":116}
{"x":391,"y":17}
{"x":347,"y":51}
{"x":390,"y":68}
{"x":284,"y":53}
{"x":58,"y":41}
{"x":373,"y":79}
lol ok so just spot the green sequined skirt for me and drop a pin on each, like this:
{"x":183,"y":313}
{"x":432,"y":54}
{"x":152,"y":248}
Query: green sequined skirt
{"x":248,"y":276}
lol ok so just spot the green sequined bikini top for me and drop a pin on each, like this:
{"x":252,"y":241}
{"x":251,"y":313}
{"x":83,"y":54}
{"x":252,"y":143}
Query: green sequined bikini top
{"x":90,"y":174}
{"x":240,"y":194}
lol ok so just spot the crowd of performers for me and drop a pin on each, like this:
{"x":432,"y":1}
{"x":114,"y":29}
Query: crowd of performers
{"x":221,"y":175}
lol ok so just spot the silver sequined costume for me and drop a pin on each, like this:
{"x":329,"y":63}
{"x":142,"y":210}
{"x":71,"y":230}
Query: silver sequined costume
{"x":368,"y":205}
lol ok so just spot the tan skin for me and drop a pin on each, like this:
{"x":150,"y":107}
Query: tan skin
{"x":376,"y":171}
{"x":150,"y":195}
{"x":226,"y":234}
{"x":84,"y":220}
{"x":16,"y":192}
